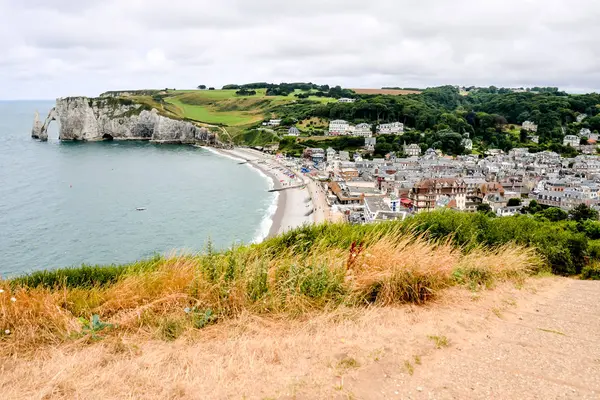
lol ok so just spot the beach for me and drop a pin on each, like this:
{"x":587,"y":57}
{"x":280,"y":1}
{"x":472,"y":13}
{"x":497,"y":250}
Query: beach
{"x":294,"y":205}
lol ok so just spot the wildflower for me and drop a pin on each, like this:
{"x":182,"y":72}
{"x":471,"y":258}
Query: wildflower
{"x":1,"y":290}
{"x":13,"y":299}
{"x":187,"y":310}
{"x":7,"y":332}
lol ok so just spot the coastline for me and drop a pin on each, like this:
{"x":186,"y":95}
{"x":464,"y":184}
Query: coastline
{"x":292,"y":205}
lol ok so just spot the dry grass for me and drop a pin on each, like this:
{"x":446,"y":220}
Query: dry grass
{"x":185,"y":293}
{"x":257,"y":357}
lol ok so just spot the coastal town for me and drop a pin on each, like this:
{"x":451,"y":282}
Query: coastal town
{"x":357,"y":188}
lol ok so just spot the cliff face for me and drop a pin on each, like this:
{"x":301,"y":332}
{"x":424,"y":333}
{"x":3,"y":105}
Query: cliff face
{"x":82,"y":118}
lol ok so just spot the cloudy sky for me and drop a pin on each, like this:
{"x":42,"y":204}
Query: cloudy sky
{"x":55,"y":48}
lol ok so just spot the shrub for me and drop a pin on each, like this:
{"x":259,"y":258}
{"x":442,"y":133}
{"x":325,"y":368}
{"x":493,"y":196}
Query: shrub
{"x":591,"y":272}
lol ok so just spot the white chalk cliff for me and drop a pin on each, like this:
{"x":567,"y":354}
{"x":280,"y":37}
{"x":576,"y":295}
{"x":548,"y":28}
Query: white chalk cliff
{"x":87,"y":119}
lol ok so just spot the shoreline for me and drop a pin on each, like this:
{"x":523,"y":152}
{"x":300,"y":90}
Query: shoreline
{"x":289,"y":208}
{"x":292,"y":204}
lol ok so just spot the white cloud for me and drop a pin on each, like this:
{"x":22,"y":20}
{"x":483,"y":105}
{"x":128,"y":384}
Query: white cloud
{"x":52,"y":48}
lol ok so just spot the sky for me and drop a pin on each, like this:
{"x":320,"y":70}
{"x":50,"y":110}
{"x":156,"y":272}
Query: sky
{"x":58,"y":48}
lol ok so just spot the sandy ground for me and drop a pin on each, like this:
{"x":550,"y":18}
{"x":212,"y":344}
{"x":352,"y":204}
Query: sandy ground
{"x":294,"y":205}
{"x":536,"y":341}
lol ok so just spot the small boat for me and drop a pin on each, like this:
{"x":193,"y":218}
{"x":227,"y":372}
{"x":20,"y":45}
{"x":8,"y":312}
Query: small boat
{"x":141,"y":209}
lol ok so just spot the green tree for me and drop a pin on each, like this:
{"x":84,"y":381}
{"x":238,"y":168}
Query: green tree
{"x":583,"y":212}
{"x":484,"y":208}
{"x":554,"y":214}
{"x":513,"y":202}
{"x":201,"y":87}
{"x":523,"y":136}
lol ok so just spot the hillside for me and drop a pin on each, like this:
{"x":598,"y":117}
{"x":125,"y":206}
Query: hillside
{"x":437,"y":117}
{"x":217,"y":107}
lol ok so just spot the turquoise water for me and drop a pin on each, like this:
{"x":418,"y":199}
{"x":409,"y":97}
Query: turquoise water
{"x":63,"y":204}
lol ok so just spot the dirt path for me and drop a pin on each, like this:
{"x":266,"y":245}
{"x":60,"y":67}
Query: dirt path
{"x":547,"y":349}
{"x":536,"y":341}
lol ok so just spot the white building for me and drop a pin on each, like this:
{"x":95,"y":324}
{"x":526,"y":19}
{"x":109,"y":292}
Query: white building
{"x":346,"y":100}
{"x":535,"y":139}
{"x":467,"y":144}
{"x":293,"y":131}
{"x":338,"y":127}
{"x":412,"y":150}
{"x":396,"y":128}
{"x":274,"y":122}
{"x":529,"y":126}
{"x":585,"y":132}
{"x":581,"y":117}
{"x":571,"y":140}
{"x":363,"y":130}
{"x":331,"y":154}
{"x":370,"y":143}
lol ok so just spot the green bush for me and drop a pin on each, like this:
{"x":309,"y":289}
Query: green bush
{"x":84,"y":275}
{"x":591,"y":272}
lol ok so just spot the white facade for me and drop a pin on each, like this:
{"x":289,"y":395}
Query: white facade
{"x":530,"y":126}
{"x":370,"y":143}
{"x":346,"y":100}
{"x":571,"y":140}
{"x":293,"y":131}
{"x":391,"y":128}
{"x":274,"y":122}
{"x":339,"y":127}
{"x":412,"y":150}
{"x":363,"y":130}
{"x":467,"y":144}
{"x":585,"y":132}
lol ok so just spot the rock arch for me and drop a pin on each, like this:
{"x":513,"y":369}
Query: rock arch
{"x":40,"y":131}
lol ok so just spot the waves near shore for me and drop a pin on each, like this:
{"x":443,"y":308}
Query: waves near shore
{"x":267,"y":221}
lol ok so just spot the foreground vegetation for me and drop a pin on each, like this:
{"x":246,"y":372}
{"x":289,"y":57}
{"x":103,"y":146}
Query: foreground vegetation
{"x":310,"y":269}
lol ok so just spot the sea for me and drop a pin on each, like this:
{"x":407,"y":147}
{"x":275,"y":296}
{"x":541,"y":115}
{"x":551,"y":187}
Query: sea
{"x":63,"y":204}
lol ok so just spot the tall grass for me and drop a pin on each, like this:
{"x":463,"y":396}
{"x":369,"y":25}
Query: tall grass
{"x":307,"y":270}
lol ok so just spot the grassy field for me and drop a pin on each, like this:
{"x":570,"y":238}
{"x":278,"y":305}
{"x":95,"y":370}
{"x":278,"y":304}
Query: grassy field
{"x":224,"y":107}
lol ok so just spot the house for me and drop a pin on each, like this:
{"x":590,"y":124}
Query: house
{"x":588,"y":149}
{"x":529,"y":126}
{"x":585,"y":132}
{"x":393,"y":128}
{"x":571,"y":140}
{"x":508,"y":211}
{"x":293,"y":131}
{"x":338,"y":127}
{"x":430,"y":194}
{"x":342,"y":195}
{"x":370,"y":143}
{"x":581,"y":117}
{"x":346,"y":100}
{"x":331,"y":154}
{"x":535,"y":139}
{"x":412,"y":150}
{"x":316,"y":155}
{"x":363,"y":130}
{"x":374,"y":205}
{"x":274,"y":122}
{"x":344,"y":155}
{"x":467,"y":144}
